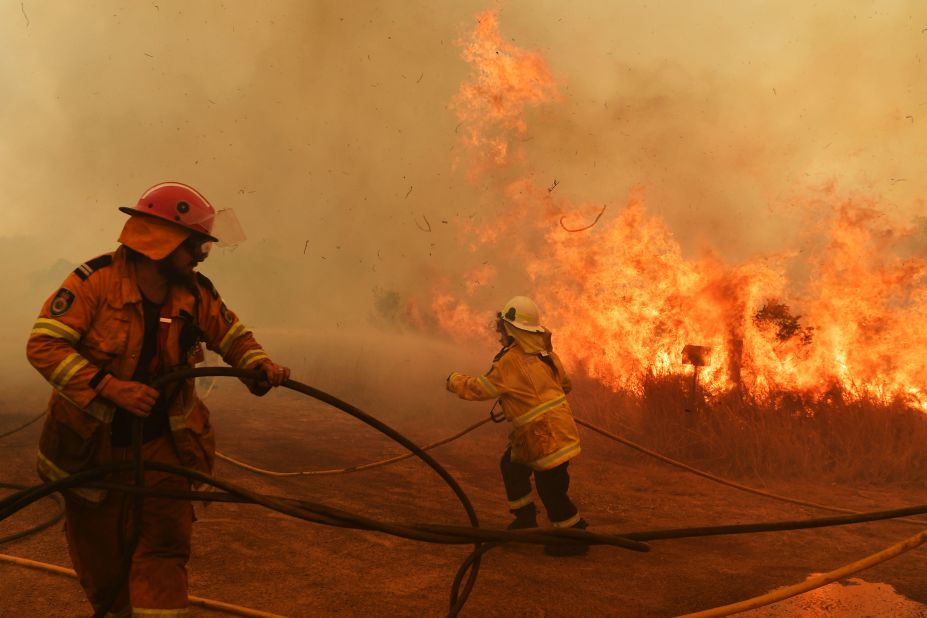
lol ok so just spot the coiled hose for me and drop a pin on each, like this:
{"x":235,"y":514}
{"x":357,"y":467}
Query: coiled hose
{"x":306,"y":510}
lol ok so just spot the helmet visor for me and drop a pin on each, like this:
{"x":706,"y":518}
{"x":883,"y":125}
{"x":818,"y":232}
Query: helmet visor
{"x":227,"y":228}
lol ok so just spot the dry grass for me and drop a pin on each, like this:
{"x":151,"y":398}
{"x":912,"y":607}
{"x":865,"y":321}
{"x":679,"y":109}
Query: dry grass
{"x":836,"y":438}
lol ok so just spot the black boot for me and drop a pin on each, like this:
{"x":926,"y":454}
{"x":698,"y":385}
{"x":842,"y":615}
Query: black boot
{"x":569,"y":549}
{"x":525,"y":517}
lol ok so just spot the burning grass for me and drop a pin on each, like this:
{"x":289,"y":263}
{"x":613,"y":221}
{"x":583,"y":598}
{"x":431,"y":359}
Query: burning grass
{"x":836,"y":437}
{"x":809,"y":359}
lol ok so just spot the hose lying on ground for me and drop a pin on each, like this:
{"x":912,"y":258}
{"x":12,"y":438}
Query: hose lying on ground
{"x":815,"y":582}
{"x":426,"y":532}
{"x":309,"y":511}
{"x":21,"y":427}
{"x":456,"y":534}
{"x":54,"y":519}
{"x":430,"y":532}
{"x":723,"y":481}
{"x":305,"y":389}
{"x":316,"y":512}
{"x":357,"y":468}
{"x":579,"y":421}
{"x":463,"y":432}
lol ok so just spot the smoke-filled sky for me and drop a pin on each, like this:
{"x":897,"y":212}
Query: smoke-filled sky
{"x":329,"y":128}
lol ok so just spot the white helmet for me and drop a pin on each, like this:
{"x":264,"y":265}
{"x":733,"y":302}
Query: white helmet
{"x":522,"y":313}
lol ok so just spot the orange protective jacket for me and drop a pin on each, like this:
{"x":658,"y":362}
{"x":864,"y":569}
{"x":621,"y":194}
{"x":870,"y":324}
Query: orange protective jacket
{"x":94,"y":326}
{"x":532,"y":389}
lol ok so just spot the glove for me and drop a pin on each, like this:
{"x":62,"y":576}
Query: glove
{"x":274,"y":375}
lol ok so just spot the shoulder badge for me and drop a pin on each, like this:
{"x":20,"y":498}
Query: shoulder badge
{"x":206,"y":283}
{"x":61,"y":302}
{"x":91,"y":266}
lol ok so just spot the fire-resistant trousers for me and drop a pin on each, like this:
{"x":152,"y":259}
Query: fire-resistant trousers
{"x":552,"y":486}
{"x":97,"y":535}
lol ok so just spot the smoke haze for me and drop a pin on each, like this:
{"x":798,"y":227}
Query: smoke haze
{"x":328,"y":127}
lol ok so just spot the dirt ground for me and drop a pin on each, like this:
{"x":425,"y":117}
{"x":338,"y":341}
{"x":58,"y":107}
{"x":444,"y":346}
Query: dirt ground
{"x":250,"y":556}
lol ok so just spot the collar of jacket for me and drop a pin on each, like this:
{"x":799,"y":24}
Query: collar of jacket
{"x":503,"y":351}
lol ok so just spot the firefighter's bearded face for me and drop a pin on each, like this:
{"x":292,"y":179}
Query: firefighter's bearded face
{"x":180,"y":265}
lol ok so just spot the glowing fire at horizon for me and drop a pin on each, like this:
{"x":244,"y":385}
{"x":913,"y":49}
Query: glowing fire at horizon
{"x":623,"y":302}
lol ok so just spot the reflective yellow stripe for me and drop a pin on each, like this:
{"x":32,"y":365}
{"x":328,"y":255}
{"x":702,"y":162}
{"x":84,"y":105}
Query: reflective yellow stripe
{"x":556,"y":458}
{"x":66,"y":370}
{"x":250,"y":357}
{"x":158,"y":612}
{"x":70,"y":374}
{"x":49,"y":470}
{"x":70,"y":358}
{"x":488,"y":387}
{"x":537,"y":411}
{"x":56,"y":329}
{"x":237,"y":330}
{"x":517,"y":504}
{"x":50,"y":332}
{"x":566,"y":523}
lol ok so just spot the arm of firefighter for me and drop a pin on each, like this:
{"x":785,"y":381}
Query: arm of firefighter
{"x":565,"y":382}
{"x":52,"y":347}
{"x":226,"y":335}
{"x":475,"y":388}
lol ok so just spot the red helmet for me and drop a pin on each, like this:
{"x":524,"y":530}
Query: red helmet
{"x":178,"y":203}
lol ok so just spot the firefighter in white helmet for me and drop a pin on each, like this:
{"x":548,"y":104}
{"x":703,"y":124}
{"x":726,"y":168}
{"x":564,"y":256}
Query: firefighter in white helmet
{"x":529,"y":380}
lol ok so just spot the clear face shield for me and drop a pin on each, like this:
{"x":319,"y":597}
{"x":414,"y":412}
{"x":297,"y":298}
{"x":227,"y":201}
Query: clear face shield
{"x":227,"y":229}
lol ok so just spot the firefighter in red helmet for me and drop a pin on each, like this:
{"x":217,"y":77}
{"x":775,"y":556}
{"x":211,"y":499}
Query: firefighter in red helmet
{"x":117,"y":322}
{"x":529,"y":381}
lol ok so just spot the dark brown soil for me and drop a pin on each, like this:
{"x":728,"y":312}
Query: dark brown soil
{"x":253,"y":557}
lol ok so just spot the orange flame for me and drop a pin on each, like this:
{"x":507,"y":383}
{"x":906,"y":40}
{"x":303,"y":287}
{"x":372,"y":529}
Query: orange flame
{"x":623,"y":301}
{"x":507,"y":80}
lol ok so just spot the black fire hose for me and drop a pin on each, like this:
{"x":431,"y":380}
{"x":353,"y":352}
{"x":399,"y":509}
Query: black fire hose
{"x":305,"y":389}
{"x":54,"y":519}
{"x":13,"y":503}
{"x":456,"y":603}
{"x":481,"y":538}
{"x":331,"y":516}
